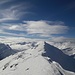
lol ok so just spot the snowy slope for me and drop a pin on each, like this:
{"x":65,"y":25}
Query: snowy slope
{"x":67,"y":47}
{"x":5,"y":51}
{"x":57,"y":55}
{"x":34,"y":60}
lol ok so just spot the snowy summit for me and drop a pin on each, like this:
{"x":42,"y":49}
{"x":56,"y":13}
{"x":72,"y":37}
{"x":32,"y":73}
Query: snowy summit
{"x":36,"y":58}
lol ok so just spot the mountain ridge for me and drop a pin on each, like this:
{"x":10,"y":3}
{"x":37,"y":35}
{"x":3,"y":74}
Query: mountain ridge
{"x":32,"y":62}
{"x":5,"y":50}
{"x":57,"y":55}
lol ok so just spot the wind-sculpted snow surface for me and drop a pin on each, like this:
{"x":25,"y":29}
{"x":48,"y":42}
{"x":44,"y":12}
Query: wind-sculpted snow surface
{"x":36,"y":60}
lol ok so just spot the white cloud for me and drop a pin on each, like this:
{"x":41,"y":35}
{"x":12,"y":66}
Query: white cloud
{"x":7,"y":19}
{"x":59,"y":39}
{"x":44,"y":28}
{"x":36,"y":28}
{"x":5,"y":28}
{"x":14,"y":27}
{"x":9,"y":26}
{"x":19,"y":27}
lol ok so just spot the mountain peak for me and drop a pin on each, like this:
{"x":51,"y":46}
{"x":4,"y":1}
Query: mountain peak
{"x":38,"y":59}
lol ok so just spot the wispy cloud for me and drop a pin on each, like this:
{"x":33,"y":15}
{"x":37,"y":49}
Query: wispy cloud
{"x":4,"y":33}
{"x":8,"y":14}
{"x":13,"y":11}
{"x":4,"y":1}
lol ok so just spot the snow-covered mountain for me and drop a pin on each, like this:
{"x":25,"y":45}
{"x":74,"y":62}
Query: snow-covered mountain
{"x":5,"y":50}
{"x":37,"y":58}
{"x":67,"y":47}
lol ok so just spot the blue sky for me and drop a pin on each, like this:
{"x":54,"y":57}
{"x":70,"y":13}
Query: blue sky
{"x":37,"y":18}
